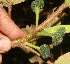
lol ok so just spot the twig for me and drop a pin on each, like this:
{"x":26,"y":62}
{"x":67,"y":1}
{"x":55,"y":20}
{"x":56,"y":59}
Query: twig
{"x":9,"y":10}
{"x":32,"y":50}
{"x":9,"y":7}
{"x":49,"y":20}
{"x":20,"y":43}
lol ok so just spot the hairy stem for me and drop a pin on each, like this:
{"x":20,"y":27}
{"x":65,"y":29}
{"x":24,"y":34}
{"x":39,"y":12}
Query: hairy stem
{"x":32,"y":46}
{"x":9,"y":10}
{"x":37,"y":10}
{"x":49,"y":20}
{"x":20,"y":43}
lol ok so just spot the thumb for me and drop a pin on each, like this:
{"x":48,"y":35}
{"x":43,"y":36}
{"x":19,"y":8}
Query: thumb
{"x":5,"y":43}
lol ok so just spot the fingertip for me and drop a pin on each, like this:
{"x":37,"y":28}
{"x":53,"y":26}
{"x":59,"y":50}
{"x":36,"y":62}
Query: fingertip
{"x":5,"y":44}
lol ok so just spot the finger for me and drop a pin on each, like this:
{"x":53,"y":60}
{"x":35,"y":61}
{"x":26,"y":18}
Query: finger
{"x":5,"y":43}
{"x":8,"y":27}
{"x":0,"y":58}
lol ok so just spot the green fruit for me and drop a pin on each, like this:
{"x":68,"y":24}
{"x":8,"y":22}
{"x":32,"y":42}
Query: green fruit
{"x":58,"y":36}
{"x":45,"y":51}
{"x":37,"y":3}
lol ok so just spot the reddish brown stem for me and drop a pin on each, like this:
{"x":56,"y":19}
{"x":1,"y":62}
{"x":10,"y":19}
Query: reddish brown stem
{"x":20,"y":43}
{"x":52,"y":16}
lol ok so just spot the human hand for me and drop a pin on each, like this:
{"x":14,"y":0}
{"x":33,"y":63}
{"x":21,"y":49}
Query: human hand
{"x":8,"y":31}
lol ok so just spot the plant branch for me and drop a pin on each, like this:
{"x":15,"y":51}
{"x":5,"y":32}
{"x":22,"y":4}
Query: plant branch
{"x":32,"y":50}
{"x":10,"y":7}
{"x":49,"y":20}
{"x":9,"y":10}
{"x":21,"y":43}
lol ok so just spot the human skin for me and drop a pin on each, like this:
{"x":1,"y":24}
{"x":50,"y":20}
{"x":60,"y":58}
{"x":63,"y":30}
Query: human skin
{"x":8,"y":31}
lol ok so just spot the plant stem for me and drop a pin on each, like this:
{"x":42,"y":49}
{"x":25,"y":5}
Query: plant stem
{"x":32,"y":46}
{"x":20,"y":43}
{"x":9,"y":10}
{"x":37,"y":11}
{"x":10,"y":7}
{"x":52,"y":16}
